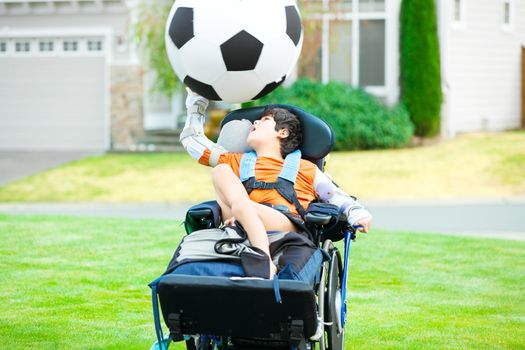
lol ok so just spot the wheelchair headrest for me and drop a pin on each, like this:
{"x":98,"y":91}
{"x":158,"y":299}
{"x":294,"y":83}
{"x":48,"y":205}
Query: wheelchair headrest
{"x":318,"y":136}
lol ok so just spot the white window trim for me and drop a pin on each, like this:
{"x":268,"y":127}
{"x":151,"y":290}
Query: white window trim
{"x":507,"y":27}
{"x":58,"y":35}
{"x":461,"y":24}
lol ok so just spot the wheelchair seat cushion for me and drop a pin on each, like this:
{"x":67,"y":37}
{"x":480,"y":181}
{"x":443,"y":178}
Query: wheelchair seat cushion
{"x":201,"y":253}
{"x":309,"y":272}
{"x":210,"y":268}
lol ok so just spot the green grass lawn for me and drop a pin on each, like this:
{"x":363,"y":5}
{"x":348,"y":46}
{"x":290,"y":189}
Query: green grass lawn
{"x":477,"y":165}
{"x":81,"y":283}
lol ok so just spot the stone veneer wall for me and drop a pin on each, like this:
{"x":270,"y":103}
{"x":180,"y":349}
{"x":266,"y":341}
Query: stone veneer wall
{"x":127,"y":125}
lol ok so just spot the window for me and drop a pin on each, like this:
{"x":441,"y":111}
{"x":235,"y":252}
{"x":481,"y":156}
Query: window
{"x":46,"y":46}
{"x":309,"y":64}
{"x":3,"y":46}
{"x":22,"y":46}
{"x":372,"y":52}
{"x":507,"y":14}
{"x":340,"y":55}
{"x":341,"y":5}
{"x":94,"y":45}
{"x":371,"y":5}
{"x":70,"y":45}
{"x":457,"y":10}
{"x":346,"y":44}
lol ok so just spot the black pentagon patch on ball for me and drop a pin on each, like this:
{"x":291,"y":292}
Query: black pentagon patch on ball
{"x":181,"y":26}
{"x":293,"y":24}
{"x":241,"y":52}
{"x":201,"y":88}
{"x":269,"y":88}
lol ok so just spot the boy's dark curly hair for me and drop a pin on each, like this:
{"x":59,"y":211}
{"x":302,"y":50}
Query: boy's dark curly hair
{"x":284,"y":119}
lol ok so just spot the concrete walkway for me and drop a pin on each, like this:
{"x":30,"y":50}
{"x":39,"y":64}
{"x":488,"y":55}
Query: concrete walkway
{"x":502,"y":218}
{"x":15,"y":165}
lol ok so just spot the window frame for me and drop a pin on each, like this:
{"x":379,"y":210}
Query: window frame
{"x":5,"y":43}
{"x":354,"y":17}
{"x":27,"y":42}
{"x":507,"y":27}
{"x":98,"y":44}
{"x":58,"y":45}
{"x":461,"y":22}
{"x":66,"y":41}
{"x":46,"y":41}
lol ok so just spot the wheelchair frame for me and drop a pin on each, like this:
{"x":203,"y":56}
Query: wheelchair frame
{"x":330,"y":292}
{"x":331,"y":302}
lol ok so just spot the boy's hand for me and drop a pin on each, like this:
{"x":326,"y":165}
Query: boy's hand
{"x":365,"y":223}
{"x":361,"y":219}
{"x":194,"y":99}
{"x":230,"y":221}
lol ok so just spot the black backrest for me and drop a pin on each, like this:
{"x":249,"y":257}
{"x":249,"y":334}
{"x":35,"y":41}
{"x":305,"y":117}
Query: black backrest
{"x":318,"y":136}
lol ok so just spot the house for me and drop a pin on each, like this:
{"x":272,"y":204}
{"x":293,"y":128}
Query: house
{"x":357,"y":41}
{"x":70,"y":77}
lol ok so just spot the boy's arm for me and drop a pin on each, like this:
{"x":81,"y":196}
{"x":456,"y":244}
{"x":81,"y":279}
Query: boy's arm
{"x":328,"y":192}
{"x":193,"y":138}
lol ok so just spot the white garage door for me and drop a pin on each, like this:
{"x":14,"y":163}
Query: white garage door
{"x":51,"y":95}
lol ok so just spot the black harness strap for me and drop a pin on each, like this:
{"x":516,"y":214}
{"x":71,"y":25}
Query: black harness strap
{"x":283,"y":186}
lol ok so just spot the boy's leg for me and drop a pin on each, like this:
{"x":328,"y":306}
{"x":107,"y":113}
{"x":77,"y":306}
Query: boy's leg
{"x":231,"y":193}
{"x":272,"y":219}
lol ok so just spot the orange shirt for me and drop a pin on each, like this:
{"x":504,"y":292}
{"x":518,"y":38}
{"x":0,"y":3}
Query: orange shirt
{"x":267,"y":169}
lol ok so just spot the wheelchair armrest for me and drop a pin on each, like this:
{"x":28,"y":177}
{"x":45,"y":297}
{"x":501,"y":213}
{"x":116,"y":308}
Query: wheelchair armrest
{"x":203,"y":216}
{"x":327,"y":220}
{"x":317,"y":219}
{"x":200,"y":213}
{"x":321,"y":214}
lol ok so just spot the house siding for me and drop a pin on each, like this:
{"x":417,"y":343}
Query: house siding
{"x":483,"y":68}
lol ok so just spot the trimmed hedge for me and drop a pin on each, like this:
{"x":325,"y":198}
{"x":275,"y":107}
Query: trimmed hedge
{"x":420,"y":65}
{"x":358,"y":119}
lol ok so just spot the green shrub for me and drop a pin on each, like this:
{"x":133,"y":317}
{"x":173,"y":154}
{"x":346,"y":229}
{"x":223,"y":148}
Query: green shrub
{"x":358,"y":119}
{"x":420,"y":65}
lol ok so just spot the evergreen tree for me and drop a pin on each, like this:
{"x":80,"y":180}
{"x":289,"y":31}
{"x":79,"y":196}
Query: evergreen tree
{"x":420,"y":65}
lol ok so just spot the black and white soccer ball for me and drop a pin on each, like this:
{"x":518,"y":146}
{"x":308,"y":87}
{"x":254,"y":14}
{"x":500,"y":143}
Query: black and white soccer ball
{"x":233,"y":50}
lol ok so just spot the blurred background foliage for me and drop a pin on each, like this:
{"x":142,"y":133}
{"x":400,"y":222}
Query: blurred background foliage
{"x":359,"y":119}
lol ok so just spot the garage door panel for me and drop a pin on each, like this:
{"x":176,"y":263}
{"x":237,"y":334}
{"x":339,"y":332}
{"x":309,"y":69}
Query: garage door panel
{"x":79,"y":139}
{"x":52,"y":103}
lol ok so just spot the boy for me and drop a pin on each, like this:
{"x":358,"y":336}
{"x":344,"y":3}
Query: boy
{"x":275,"y":135}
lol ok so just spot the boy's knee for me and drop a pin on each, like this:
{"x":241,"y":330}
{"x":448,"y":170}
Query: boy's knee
{"x":221,"y":170}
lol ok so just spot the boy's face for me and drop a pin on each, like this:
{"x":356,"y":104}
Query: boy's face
{"x":263,"y":131}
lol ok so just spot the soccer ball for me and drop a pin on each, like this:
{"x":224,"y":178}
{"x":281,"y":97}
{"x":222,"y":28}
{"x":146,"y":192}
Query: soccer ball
{"x":233,"y":50}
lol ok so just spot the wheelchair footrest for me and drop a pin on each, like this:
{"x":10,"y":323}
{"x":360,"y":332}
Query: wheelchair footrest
{"x":237,"y":307}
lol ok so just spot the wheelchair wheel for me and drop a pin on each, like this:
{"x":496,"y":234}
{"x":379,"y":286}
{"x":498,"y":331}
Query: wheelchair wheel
{"x":203,"y":342}
{"x":334,"y":330}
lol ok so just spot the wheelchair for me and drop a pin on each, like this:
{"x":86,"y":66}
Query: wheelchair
{"x":226,"y":313}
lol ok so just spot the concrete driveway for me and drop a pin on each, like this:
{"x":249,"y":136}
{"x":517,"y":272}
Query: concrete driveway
{"x":15,"y":165}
